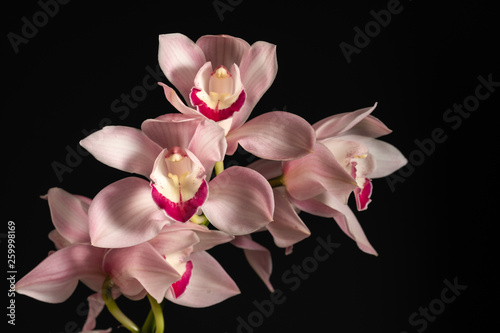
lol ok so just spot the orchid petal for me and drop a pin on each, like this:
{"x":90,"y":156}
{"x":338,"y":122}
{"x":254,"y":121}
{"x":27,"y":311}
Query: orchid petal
{"x":202,"y":78}
{"x":180,"y":59}
{"x":258,"y":257}
{"x":258,"y":69}
{"x":357,"y":122}
{"x":69,"y":215}
{"x":223,"y":49}
{"x":123,"y":148}
{"x":274,"y":135}
{"x":269,"y":169}
{"x":56,"y":277}
{"x":176,"y":102}
{"x":240,"y":201}
{"x":200,"y":238}
{"x":208,"y":284}
{"x":174,"y":241}
{"x":386,"y":158}
{"x":208,"y":144}
{"x":210,"y":239}
{"x":313,"y":174}
{"x":185,"y":226}
{"x":327,"y":205}
{"x":124,"y":214}
{"x":140,"y":267}
{"x":58,"y":240}
{"x":370,"y":127}
{"x":171,"y":130}
{"x":345,"y":149}
{"x":287,"y":227}
{"x":96,"y":304}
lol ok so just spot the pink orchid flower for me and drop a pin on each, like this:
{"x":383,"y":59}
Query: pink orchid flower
{"x":177,"y":153}
{"x":345,"y":158}
{"x":222,"y":78}
{"x":351,"y":137}
{"x":318,"y":185}
{"x":173,"y":265}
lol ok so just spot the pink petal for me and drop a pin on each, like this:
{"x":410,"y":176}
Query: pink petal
{"x":287,"y":227}
{"x":58,"y":240}
{"x":180,"y":59}
{"x":269,"y":169}
{"x":209,"y":284}
{"x":258,"y":69}
{"x":56,"y":277}
{"x":171,"y":130}
{"x":240,"y":201}
{"x":258,"y":257}
{"x":329,"y":206}
{"x":223,"y":49}
{"x":96,"y":304}
{"x":124,"y":148}
{"x":210,"y":239}
{"x":204,"y":137}
{"x":178,"y":240}
{"x":70,"y":215}
{"x":386,"y":157}
{"x":208,"y":144}
{"x":202,"y":78}
{"x":124,"y":214}
{"x":176,"y":102}
{"x":316,"y":173}
{"x":198,"y":236}
{"x":140,"y":267}
{"x":358,"y":122}
{"x":345,"y":148}
{"x":274,"y":135}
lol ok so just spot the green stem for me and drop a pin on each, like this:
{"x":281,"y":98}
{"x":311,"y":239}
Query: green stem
{"x":114,"y":309}
{"x":219,"y":167}
{"x":158,"y":315}
{"x":148,"y":324}
{"x":277,"y":181}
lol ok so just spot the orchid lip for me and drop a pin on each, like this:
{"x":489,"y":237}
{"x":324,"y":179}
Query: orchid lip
{"x":180,"y":211}
{"x":216,"y":113}
{"x":363,"y":195}
{"x":221,"y":96}
{"x":178,"y":183}
{"x":179,"y":287}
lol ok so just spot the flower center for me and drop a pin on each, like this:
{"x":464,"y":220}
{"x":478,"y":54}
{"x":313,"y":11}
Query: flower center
{"x":178,"y":184}
{"x":221,"y":97}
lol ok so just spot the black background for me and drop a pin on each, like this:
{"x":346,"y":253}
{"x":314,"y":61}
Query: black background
{"x":438,"y":224}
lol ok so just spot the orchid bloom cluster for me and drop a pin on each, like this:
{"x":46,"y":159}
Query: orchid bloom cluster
{"x":147,"y":235}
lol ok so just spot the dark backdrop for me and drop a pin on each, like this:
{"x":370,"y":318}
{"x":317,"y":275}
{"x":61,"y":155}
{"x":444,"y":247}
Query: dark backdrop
{"x":433,"y":222}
